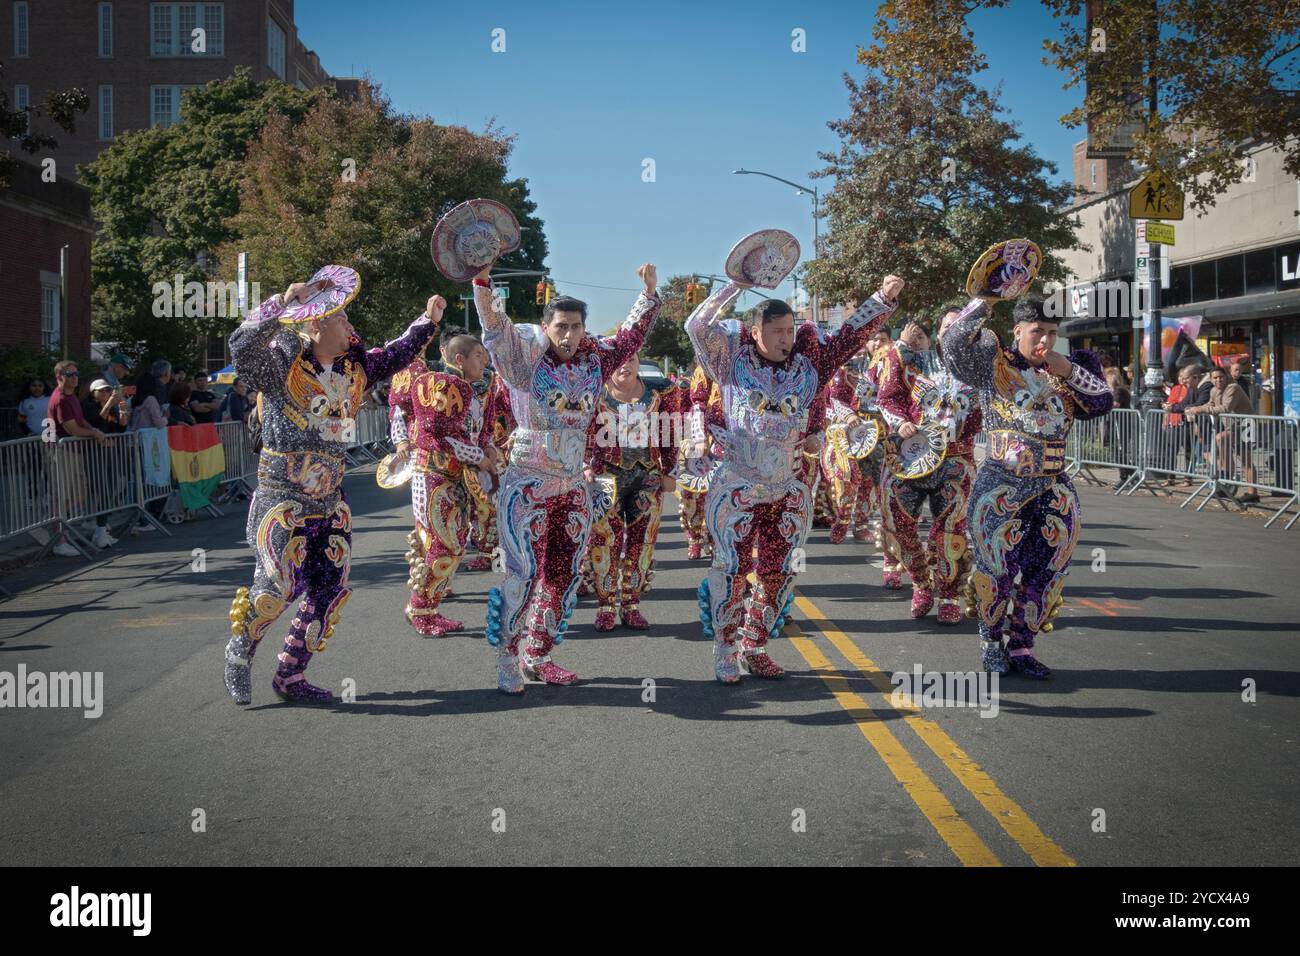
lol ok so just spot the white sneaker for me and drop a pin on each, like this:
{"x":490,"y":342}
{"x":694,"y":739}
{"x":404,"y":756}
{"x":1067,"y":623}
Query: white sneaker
{"x":65,"y":550}
{"x":103,"y":539}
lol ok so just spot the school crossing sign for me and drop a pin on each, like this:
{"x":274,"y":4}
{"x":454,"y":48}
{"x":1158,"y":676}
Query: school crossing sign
{"x":1155,"y":197}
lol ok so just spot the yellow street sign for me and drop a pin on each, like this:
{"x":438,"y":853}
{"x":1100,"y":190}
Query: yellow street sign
{"x":1155,"y":197}
{"x":1161,"y":233}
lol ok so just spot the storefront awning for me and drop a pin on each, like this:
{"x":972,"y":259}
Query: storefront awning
{"x":1242,"y":308}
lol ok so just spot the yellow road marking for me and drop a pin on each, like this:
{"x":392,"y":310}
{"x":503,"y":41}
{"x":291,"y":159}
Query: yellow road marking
{"x":1008,"y":814}
{"x":943,"y":816}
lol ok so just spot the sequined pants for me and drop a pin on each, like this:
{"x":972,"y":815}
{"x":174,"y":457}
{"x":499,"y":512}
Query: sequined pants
{"x":691,"y":515}
{"x":854,"y":491}
{"x":1023,"y":528}
{"x":442,"y":516}
{"x":483,"y":532}
{"x":623,"y":539}
{"x":944,"y":559}
{"x":741,"y":517}
{"x":304,"y":550}
{"x":543,"y":522}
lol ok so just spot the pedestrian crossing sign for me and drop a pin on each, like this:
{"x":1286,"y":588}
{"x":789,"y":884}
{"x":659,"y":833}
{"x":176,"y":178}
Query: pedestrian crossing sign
{"x":1155,"y":197}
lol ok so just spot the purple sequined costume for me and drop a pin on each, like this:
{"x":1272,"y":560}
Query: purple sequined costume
{"x":1024,"y":512}
{"x":299,"y":524}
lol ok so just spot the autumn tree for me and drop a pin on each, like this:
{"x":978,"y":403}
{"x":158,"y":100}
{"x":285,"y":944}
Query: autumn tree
{"x":164,"y":199}
{"x":929,"y":172}
{"x":1226,"y":78}
{"x":357,"y":185}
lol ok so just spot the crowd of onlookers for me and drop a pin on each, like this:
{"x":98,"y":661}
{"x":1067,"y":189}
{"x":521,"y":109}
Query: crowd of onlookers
{"x":123,"y":400}
{"x":1189,"y":431}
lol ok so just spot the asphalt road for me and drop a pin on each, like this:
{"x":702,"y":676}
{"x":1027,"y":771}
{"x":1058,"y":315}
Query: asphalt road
{"x":1140,"y":751}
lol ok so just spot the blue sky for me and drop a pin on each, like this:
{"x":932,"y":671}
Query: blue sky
{"x":591,"y":90}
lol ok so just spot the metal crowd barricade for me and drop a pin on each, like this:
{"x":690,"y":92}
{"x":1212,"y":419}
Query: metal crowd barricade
{"x":241,"y":463}
{"x":1258,"y":453}
{"x":91,"y":480}
{"x":370,"y":433}
{"x":149,"y":492}
{"x":27,"y":486}
{"x":1113,"y":440}
{"x":1174,"y":448}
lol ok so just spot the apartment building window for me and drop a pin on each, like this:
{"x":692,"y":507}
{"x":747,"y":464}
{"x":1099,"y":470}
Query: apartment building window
{"x":172,"y":26}
{"x":49,"y":315}
{"x":275,"y":48}
{"x":22,"y":100}
{"x":105,"y":112}
{"x":20,"y":29}
{"x":105,"y":29}
{"x":165,"y":104}
{"x":1094,"y":174}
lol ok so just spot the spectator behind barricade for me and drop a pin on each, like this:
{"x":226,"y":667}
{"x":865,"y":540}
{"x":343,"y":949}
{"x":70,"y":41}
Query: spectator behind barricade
{"x":1112,"y":426}
{"x":70,"y":422}
{"x":33,"y":406}
{"x":118,"y":370}
{"x":235,"y":406}
{"x":1177,"y":436}
{"x":105,"y":409}
{"x":163,"y":378}
{"x":146,"y":410}
{"x":203,"y":404}
{"x":178,"y":412}
{"x":1245,"y":379}
{"x":1119,"y":388}
{"x":1232,"y":441}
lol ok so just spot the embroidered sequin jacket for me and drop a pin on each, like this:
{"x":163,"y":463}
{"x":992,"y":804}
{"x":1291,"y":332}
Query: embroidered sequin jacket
{"x":767,"y":405}
{"x":308,"y":411}
{"x":443,"y":417}
{"x":1028,"y":412}
{"x":614,"y":430}
{"x":553,"y":401}
{"x":917,"y":387}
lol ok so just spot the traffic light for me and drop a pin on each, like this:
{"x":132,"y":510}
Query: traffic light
{"x":692,"y":294}
{"x":550,"y":291}
{"x":541,"y":293}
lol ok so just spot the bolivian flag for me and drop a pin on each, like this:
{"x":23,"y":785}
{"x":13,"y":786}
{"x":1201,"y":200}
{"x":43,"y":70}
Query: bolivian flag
{"x":198,"y":462}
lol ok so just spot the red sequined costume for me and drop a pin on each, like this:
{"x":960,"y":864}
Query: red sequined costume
{"x":544,"y":507}
{"x":696,"y":457}
{"x":635,"y":443}
{"x":445,"y":424}
{"x":854,"y":480}
{"x":758,"y":496}
{"x":499,"y":423}
{"x":915,"y":387}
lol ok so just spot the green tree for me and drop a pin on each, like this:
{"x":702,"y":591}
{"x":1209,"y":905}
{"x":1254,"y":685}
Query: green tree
{"x":62,"y":107}
{"x":928,"y":173}
{"x":357,"y":185}
{"x":668,"y":338}
{"x":1227,"y":77}
{"x":164,"y":200}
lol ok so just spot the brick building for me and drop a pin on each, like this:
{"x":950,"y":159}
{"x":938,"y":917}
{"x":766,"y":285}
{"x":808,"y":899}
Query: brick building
{"x":37,"y":219}
{"x":135,"y":57}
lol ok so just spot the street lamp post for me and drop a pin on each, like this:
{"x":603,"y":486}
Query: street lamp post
{"x":812,"y":191}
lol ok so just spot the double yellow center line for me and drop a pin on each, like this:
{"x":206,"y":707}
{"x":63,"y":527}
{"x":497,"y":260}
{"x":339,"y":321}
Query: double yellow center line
{"x":964,"y":842}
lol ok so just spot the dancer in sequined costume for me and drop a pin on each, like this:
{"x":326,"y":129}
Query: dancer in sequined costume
{"x":299,"y":523}
{"x":449,"y":440}
{"x":854,"y":482}
{"x":769,"y":377}
{"x":1024,"y":512}
{"x":497,"y":420}
{"x":635,"y":438}
{"x":698,"y":453}
{"x":915,"y":390}
{"x":554,"y":373}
